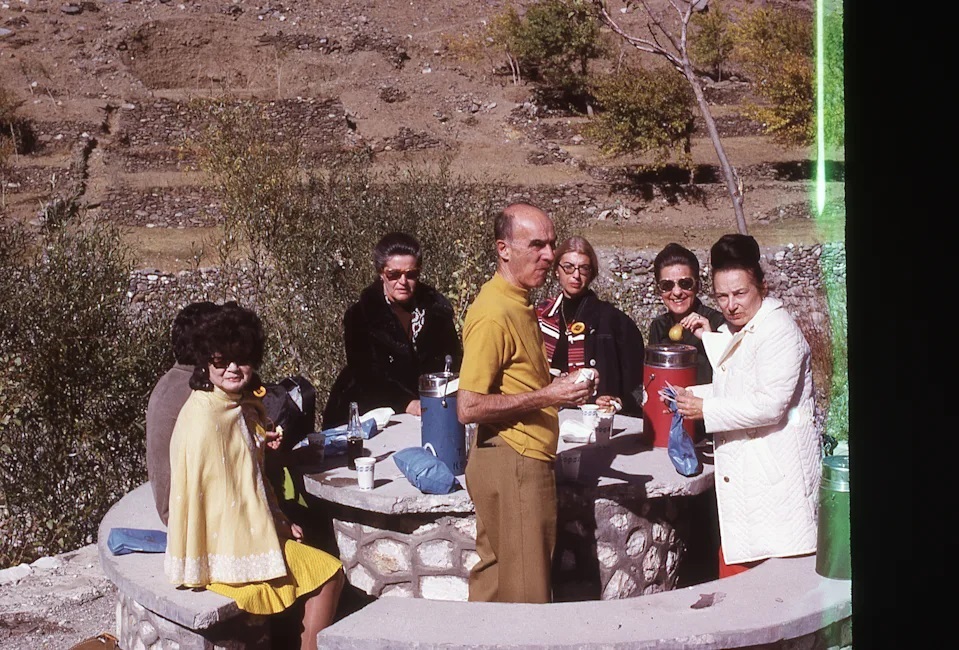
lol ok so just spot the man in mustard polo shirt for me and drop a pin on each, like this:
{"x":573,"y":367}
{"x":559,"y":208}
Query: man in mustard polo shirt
{"x":505,"y":386}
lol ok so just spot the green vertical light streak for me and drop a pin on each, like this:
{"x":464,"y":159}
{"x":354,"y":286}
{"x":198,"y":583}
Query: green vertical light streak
{"x":820,"y":114}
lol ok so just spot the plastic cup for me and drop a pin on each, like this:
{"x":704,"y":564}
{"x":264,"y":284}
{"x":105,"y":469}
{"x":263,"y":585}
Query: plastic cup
{"x":569,"y":464}
{"x":590,"y":414}
{"x":364,"y":472}
{"x":604,"y":429}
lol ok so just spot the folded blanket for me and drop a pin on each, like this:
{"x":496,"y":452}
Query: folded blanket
{"x":136,"y":540}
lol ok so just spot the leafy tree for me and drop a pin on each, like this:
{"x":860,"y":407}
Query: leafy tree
{"x":554,"y":41}
{"x":645,"y":111}
{"x":504,"y":33}
{"x":774,"y":47}
{"x":713,"y":43}
{"x":662,"y":39}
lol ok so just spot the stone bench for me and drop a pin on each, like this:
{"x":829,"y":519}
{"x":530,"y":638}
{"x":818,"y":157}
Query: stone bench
{"x":780,"y":604}
{"x":152,"y":613}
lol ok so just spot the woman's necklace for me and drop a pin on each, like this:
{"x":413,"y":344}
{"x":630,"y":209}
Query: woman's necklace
{"x":574,"y":327}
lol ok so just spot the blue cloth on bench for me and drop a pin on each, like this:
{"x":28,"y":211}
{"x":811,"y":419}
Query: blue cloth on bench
{"x":136,"y":540}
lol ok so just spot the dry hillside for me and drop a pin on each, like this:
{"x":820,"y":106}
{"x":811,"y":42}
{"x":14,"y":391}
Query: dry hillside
{"x":105,"y":83}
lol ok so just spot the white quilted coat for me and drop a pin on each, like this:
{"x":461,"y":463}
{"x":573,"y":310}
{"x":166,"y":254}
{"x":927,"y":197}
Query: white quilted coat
{"x":767,"y":451}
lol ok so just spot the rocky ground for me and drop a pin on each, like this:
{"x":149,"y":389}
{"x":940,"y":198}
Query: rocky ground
{"x":56,"y":602}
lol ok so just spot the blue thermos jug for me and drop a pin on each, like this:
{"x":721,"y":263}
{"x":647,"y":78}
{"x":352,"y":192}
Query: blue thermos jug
{"x":441,"y":431}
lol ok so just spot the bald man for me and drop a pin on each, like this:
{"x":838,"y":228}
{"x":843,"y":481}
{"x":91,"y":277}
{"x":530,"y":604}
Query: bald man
{"x":506,"y":387}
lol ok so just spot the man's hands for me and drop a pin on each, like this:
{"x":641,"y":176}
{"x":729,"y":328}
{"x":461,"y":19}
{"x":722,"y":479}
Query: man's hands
{"x":566,"y":390}
{"x":414,"y":408}
{"x":571,"y":390}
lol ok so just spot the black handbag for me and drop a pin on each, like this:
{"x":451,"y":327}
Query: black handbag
{"x":291,"y":404}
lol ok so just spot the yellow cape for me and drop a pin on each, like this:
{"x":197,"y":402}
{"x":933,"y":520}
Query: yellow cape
{"x":221,"y":526}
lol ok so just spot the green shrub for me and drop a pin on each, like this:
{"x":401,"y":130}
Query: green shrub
{"x":644,"y":111}
{"x":712,"y":43}
{"x":554,"y":41}
{"x":303,"y":239}
{"x":76,"y":370}
{"x":774,"y":47}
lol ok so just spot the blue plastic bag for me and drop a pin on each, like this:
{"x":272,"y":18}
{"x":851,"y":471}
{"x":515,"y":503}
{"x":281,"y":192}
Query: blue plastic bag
{"x":136,"y":540}
{"x":425,"y":471}
{"x":335,"y":442}
{"x":682,"y":453}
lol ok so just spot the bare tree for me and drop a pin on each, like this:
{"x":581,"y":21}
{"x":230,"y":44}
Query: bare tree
{"x":663,"y":42}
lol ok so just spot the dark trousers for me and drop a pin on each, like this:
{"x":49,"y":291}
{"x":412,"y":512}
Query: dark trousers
{"x":515,"y":501}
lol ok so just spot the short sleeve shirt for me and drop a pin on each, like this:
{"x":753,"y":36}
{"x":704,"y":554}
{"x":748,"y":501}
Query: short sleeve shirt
{"x":503,"y":353}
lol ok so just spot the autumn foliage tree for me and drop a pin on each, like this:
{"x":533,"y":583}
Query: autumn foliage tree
{"x":774,"y":48}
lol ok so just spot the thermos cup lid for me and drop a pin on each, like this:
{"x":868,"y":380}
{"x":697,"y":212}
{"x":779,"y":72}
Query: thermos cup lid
{"x":434,"y":384}
{"x":835,"y":473}
{"x":670,"y":355}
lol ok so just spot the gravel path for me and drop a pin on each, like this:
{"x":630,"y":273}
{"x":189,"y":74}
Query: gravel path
{"x":58,"y":607}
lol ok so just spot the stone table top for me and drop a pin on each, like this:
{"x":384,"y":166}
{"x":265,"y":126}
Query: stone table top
{"x":624,"y":465}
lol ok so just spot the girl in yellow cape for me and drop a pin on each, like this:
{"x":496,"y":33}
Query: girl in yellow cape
{"x":226,"y":532}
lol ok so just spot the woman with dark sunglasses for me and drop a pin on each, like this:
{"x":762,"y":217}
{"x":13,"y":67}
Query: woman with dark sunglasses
{"x":399,"y":329}
{"x":582,"y":331}
{"x":677,"y":279}
{"x":226,"y":532}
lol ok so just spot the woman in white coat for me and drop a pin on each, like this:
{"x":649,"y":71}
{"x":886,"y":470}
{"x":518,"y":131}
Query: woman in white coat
{"x":759,"y":407}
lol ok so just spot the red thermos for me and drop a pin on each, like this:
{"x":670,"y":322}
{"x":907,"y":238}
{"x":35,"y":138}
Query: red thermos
{"x":665,"y":362}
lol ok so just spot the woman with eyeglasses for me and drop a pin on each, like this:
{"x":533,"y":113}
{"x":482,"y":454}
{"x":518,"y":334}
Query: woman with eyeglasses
{"x":582,"y":331}
{"x":226,"y":532}
{"x":760,"y":409}
{"x":399,"y":329}
{"x":676,"y":270}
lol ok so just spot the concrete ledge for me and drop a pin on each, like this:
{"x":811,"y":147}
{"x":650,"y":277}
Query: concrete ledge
{"x":779,"y":600}
{"x":140,"y":575}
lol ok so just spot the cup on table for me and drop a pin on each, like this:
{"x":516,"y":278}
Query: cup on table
{"x":569,"y":464}
{"x":364,"y":472}
{"x":604,"y":428}
{"x":590,"y":413}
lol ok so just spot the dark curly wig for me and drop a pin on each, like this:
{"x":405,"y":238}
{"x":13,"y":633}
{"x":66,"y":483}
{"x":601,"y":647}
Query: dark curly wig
{"x":181,"y":333}
{"x":233,"y":332}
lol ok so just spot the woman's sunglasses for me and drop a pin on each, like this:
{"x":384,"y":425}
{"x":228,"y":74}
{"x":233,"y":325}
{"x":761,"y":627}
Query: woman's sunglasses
{"x":686,"y":284}
{"x":393,"y":275}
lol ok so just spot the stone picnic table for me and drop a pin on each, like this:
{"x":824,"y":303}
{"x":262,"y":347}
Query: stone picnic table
{"x":625,"y":526}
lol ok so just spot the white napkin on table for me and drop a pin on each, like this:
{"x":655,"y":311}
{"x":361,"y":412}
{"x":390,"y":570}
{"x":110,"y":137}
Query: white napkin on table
{"x":573,"y":431}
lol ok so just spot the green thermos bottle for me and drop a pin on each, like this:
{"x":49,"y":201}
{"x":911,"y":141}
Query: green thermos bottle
{"x":832,"y":543}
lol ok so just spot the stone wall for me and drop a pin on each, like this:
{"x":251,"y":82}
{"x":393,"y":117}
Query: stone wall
{"x":623,"y":545}
{"x":795,"y":274}
{"x":138,"y":628}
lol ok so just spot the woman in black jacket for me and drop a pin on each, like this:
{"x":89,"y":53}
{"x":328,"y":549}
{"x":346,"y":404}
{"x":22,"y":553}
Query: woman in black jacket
{"x":582,"y":331}
{"x":399,"y":329}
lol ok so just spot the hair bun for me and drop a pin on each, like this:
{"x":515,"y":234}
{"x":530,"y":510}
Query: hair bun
{"x":734,"y":251}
